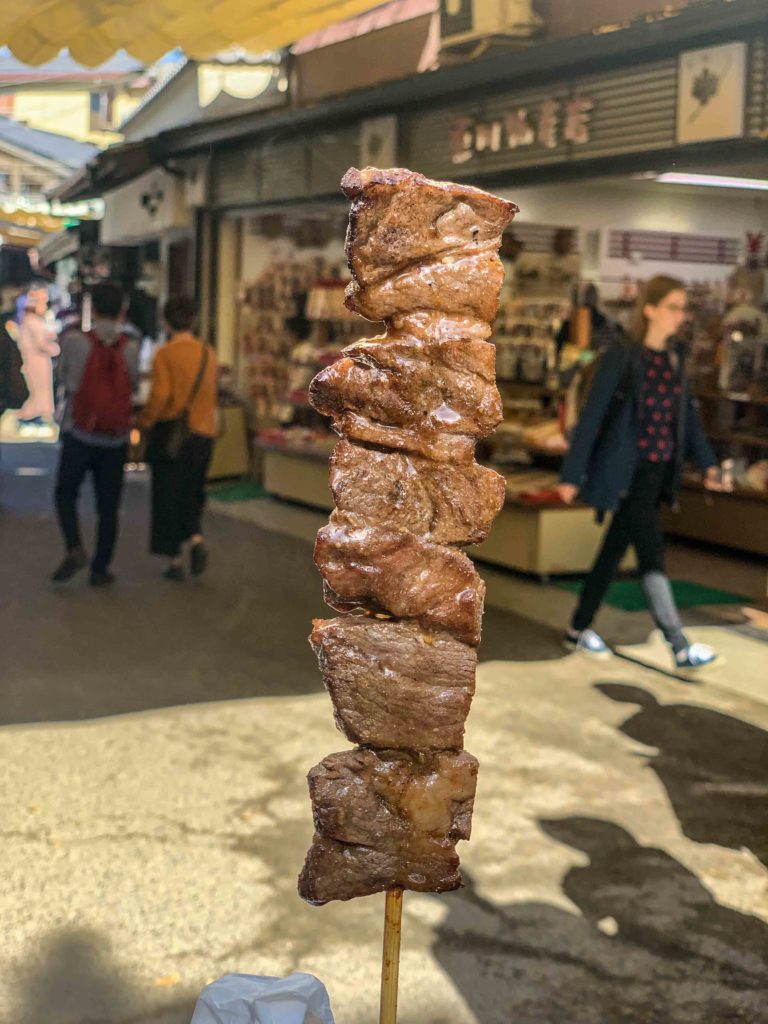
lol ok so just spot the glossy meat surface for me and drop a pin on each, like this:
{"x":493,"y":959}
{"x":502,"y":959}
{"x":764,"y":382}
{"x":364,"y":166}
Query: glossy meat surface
{"x":394,"y":685}
{"x":427,"y":441}
{"x":439,"y":502}
{"x":434,"y":386}
{"x":399,"y":217}
{"x":393,"y":572}
{"x":343,"y":871}
{"x":455,"y":285}
{"x":394,"y":817}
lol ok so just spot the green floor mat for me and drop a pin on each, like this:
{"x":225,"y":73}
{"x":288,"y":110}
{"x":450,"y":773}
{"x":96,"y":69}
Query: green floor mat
{"x":240,"y":490}
{"x":629,"y":597}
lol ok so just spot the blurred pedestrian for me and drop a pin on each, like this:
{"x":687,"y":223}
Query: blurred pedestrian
{"x":37,"y":344}
{"x":638,"y":426}
{"x":98,"y":375}
{"x":13,"y":388}
{"x":603,"y":330}
{"x":181,"y":417}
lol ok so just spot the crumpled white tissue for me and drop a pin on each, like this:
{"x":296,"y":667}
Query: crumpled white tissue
{"x":251,"y":999}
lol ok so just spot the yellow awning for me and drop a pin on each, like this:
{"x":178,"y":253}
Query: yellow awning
{"x":92,"y":30}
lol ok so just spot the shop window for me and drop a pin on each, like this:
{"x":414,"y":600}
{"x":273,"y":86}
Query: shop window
{"x":31,"y":189}
{"x":673,"y":248}
{"x":101,"y":110}
{"x":540,"y":237}
{"x":6,"y":104}
{"x":5,"y":183}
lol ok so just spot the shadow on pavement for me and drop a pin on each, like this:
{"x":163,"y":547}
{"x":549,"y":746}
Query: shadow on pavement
{"x":72,"y":979}
{"x":713,"y":767}
{"x":238,"y":632}
{"x":649,"y":944}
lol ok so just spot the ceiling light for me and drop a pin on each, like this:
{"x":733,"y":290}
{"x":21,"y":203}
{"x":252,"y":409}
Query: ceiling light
{"x":713,"y":180}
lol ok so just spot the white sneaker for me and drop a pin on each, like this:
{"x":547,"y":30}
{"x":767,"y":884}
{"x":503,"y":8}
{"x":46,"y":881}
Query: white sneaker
{"x":694,"y":658}
{"x":587,"y":642}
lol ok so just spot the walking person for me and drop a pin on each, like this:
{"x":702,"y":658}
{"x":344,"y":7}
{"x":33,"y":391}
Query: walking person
{"x":37,"y":345}
{"x":98,"y":373}
{"x":638,"y":426}
{"x":181,"y":417}
{"x":13,"y":387}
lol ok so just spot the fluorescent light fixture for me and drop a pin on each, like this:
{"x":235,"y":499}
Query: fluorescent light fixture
{"x":713,"y":180}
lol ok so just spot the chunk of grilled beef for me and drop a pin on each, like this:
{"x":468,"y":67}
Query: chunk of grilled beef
{"x":445,"y":504}
{"x":394,"y":819}
{"x":455,"y":285}
{"x":427,"y":325}
{"x":394,"y":685}
{"x":393,"y":572}
{"x":404,"y":382}
{"x":341,"y":871}
{"x":394,"y":799}
{"x":399,"y":217}
{"x":428,"y":441}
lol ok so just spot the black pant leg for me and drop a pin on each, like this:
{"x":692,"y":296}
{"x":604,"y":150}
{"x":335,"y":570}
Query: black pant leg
{"x":108,"y":468}
{"x":192,"y":474}
{"x":74,"y":461}
{"x":646,"y":536}
{"x":648,"y":541}
{"x":164,"y":531}
{"x":615,"y":544}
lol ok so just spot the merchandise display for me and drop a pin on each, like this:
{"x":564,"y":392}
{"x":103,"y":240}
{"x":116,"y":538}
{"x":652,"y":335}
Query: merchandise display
{"x":267,"y":307}
{"x":294,"y":323}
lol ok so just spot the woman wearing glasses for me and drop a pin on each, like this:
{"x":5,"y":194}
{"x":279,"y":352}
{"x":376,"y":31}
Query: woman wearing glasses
{"x":638,"y":427}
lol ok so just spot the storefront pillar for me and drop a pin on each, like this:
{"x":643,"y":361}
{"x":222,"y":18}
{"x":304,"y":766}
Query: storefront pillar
{"x":226,"y":260}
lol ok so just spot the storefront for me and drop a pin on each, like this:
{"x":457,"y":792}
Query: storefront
{"x":587,"y":158}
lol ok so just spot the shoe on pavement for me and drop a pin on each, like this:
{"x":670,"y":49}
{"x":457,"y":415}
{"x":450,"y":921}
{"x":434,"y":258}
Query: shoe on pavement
{"x":587,"y":641}
{"x":198,"y":558}
{"x":101,"y":578}
{"x":73,"y":562}
{"x":175,"y":573}
{"x":694,"y":658}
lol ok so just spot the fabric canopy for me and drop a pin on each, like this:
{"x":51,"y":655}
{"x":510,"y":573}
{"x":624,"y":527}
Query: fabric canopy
{"x":92,"y":30}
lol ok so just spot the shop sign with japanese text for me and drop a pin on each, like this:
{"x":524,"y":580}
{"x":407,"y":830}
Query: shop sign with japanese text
{"x":548,"y":124}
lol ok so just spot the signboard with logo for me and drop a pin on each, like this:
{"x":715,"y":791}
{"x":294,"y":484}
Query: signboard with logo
{"x":547,"y":124}
{"x":144,"y":208}
{"x":711,"y":89}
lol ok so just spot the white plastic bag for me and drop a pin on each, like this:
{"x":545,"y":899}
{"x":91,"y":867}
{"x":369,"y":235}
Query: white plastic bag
{"x":250,"y":999}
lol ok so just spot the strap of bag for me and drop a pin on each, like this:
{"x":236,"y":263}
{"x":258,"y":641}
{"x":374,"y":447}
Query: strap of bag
{"x":198,"y":380}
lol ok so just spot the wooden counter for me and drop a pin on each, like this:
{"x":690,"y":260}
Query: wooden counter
{"x":541,"y":540}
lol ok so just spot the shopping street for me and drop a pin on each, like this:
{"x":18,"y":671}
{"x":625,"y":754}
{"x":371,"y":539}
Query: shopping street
{"x":155,"y":813}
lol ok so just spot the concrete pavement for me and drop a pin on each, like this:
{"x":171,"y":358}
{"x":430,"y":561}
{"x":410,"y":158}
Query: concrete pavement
{"x":616,"y":874}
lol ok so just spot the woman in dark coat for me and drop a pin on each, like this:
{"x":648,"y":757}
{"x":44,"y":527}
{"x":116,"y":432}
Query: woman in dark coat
{"x":638,"y":427}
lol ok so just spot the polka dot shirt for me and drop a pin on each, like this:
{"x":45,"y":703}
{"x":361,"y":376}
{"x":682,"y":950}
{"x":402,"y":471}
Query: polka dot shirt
{"x":658,"y":409}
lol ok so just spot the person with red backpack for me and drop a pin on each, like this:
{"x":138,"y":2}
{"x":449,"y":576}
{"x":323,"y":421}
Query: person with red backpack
{"x":98,"y":374}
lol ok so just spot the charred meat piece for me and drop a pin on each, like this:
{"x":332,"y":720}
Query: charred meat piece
{"x":407,"y":383}
{"x":445,"y":504}
{"x":393,"y":572}
{"x":398,"y":350}
{"x":393,"y":685}
{"x":434,"y":444}
{"x":399,"y":217}
{"x":426,"y":325}
{"x":392,"y":799}
{"x":386,"y":819}
{"x":340,"y":871}
{"x":455,"y":285}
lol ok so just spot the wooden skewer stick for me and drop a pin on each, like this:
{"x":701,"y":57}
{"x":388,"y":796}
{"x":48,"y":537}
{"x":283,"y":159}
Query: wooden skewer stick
{"x":390,"y":963}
